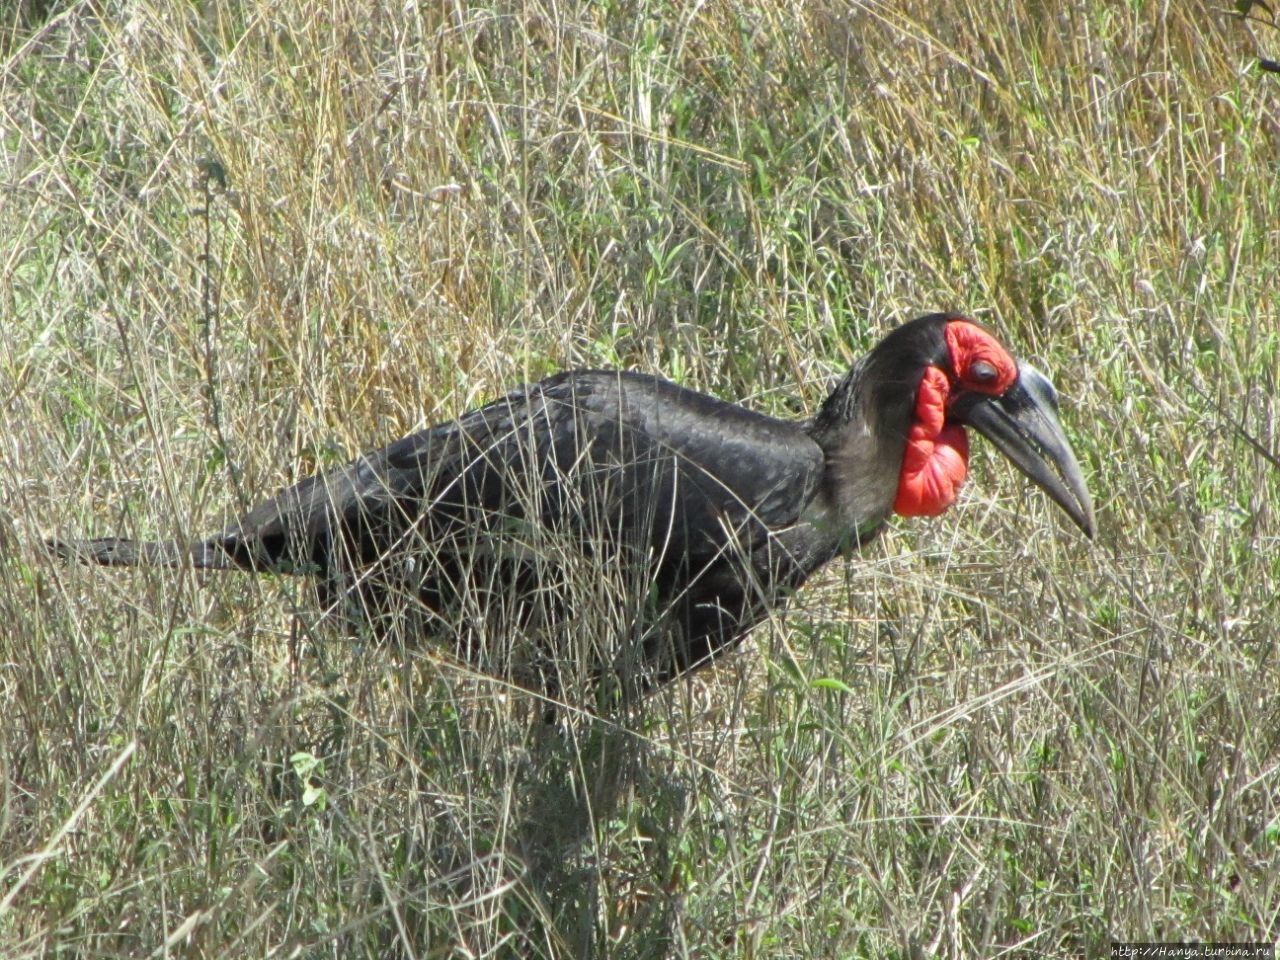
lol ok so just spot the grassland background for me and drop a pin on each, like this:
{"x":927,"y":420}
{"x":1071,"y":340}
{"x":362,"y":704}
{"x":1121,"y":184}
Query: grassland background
{"x":240,"y":241}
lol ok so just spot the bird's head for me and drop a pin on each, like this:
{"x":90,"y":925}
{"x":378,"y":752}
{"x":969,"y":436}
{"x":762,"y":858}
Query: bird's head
{"x":896,"y":428}
{"x":967,"y":378}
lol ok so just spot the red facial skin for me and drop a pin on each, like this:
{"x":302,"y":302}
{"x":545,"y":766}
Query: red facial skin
{"x":936,"y":460}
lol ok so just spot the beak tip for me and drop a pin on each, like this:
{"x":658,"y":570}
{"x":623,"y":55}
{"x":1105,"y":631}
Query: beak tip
{"x":1073,"y":497}
{"x":1081,"y":511}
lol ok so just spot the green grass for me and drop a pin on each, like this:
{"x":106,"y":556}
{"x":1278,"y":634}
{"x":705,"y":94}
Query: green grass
{"x":239,"y":242}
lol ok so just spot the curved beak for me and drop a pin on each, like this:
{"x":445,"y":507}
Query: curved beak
{"x":1023,"y":423}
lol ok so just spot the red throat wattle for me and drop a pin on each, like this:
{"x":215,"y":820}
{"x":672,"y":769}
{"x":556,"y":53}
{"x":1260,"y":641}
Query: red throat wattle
{"x":936,"y":459}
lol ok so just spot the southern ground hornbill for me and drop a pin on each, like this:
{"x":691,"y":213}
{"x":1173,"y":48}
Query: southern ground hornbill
{"x":610,"y":524}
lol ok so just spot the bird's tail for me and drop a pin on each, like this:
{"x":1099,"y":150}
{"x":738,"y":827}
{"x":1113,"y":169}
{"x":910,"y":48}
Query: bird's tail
{"x":116,"y":552}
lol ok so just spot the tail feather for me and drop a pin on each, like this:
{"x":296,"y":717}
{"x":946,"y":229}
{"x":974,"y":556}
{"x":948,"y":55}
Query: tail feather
{"x":117,"y":552}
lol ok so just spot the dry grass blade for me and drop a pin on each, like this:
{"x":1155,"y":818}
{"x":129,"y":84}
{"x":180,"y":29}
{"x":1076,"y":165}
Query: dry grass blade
{"x":240,"y":242}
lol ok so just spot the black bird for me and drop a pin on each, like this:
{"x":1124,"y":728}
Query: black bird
{"x":611,"y":503}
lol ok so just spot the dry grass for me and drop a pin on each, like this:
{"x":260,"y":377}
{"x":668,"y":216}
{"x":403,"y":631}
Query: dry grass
{"x":241,"y":241}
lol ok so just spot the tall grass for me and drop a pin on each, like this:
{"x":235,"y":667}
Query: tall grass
{"x":241,"y":242}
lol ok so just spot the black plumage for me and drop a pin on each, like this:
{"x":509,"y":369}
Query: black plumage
{"x":658,"y":522}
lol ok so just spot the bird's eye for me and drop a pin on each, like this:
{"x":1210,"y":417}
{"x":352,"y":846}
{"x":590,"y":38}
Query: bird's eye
{"x":982,"y":372}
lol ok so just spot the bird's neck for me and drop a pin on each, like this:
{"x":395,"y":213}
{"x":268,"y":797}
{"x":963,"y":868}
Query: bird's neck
{"x":862,"y":429}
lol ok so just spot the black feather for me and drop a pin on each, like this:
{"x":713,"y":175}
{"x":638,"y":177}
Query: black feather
{"x":593,"y":502}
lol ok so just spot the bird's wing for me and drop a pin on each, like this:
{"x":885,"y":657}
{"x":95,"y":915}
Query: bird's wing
{"x":623,"y":453}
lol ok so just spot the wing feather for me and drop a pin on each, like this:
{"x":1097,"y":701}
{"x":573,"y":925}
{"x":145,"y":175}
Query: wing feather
{"x":683,"y":469}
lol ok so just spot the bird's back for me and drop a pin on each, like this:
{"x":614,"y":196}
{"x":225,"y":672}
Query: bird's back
{"x":589,"y":492}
